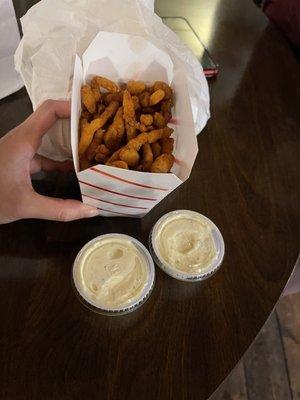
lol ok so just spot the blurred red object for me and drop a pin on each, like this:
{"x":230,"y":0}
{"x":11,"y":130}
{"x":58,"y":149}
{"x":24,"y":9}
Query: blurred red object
{"x":285,"y":14}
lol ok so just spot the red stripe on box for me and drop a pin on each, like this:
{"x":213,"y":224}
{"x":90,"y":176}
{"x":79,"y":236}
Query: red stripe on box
{"x":119,"y":194}
{"x":127,"y":181}
{"x":115,"y":204}
{"x":115,"y":212}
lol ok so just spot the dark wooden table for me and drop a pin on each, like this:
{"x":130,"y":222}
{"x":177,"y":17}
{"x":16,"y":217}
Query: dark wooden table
{"x":186,"y":339}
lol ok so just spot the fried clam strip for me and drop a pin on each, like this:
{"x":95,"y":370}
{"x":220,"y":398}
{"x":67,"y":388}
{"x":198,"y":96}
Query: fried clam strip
{"x":158,"y":134}
{"x":147,"y":157}
{"x":166,"y":107}
{"x":159,"y":120}
{"x":101,"y":108}
{"x":144,"y":99}
{"x":136,"y":102}
{"x":82,"y":123}
{"x":115,"y":133}
{"x":163,"y":163}
{"x":97,"y":140}
{"x":102,"y":153}
{"x":167,"y":145}
{"x":156,"y":149}
{"x":117,"y":96}
{"x":130,"y":156}
{"x":89,"y":129}
{"x":118,"y":164}
{"x":165,"y":87}
{"x":130,"y":131}
{"x":136,"y":87}
{"x":88,"y":98}
{"x":129,"y":115}
{"x":156,"y":97}
{"x":144,"y":128}
{"x":128,"y":107}
{"x":129,"y":153}
{"x":146,"y":119}
{"x":105,"y":83}
{"x":137,"y":142}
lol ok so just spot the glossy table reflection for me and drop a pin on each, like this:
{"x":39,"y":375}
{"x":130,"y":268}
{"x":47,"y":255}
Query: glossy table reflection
{"x":186,"y":339}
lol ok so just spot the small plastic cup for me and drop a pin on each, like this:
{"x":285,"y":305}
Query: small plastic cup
{"x":132,"y":304}
{"x":172,"y":270}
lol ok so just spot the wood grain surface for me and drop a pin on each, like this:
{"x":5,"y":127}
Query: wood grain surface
{"x":288,"y":311}
{"x":187,"y":337}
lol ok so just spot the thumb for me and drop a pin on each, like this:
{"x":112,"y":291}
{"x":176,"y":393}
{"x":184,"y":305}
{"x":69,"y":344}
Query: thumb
{"x":50,"y":208}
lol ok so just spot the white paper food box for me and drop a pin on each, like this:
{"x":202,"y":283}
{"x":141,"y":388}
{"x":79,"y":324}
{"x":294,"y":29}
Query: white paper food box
{"x":125,"y":193}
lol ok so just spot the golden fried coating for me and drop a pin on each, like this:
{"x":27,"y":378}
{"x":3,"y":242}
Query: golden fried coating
{"x":158,"y":134}
{"x":166,"y":107}
{"x":144,"y":99}
{"x":102,"y":153}
{"x":136,"y":87}
{"x":147,"y":157}
{"x":101,"y":108}
{"x":91,"y":150}
{"x":82,"y":123}
{"x":95,"y":90}
{"x":136,"y":102}
{"x":137,"y":142}
{"x":89,"y":129}
{"x":126,"y":125}
{"x":156,"y":149}
{"x":146,"y":119}
{"x":156,"y":97}
{"x":118,"y":164}
{"x":99,"y":136}
{"x":88,"y":98}
{"x":105,"y":83}
{"x":118,"y":96}
{"x":130,"y":131}
{"x":128,"y":108}
{"x":130,"y":156}
{"x":165,"y":87}
{"x":141,"y":127}
{"x":167,"y":145}
{"x":114,"y":135}
{"x":163,"y":163}
{"x":159,"y":120}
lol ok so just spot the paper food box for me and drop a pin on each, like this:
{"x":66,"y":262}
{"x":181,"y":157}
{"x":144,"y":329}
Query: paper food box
{"x":115,"y":191}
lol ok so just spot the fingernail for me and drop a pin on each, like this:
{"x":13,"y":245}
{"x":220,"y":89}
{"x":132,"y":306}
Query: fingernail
{"x":92,"y":212}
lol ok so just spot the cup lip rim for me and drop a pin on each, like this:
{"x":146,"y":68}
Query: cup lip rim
{"x":181,"y":275}
{"x":133,"y":304}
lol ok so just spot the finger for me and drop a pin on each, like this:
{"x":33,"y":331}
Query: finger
{"x":50,"y":208}
{"x":44,"y":118}
{"x":40,"y":163}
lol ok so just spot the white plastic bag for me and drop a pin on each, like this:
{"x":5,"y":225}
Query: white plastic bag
{"x":56,"y":30}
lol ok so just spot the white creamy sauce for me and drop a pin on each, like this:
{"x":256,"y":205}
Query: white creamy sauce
{"x":185,"y":242}
{"x":111,"y":273}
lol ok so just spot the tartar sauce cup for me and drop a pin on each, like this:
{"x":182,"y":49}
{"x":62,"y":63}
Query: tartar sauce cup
{"x":187,"y":245}
{"x":113,"y":274}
